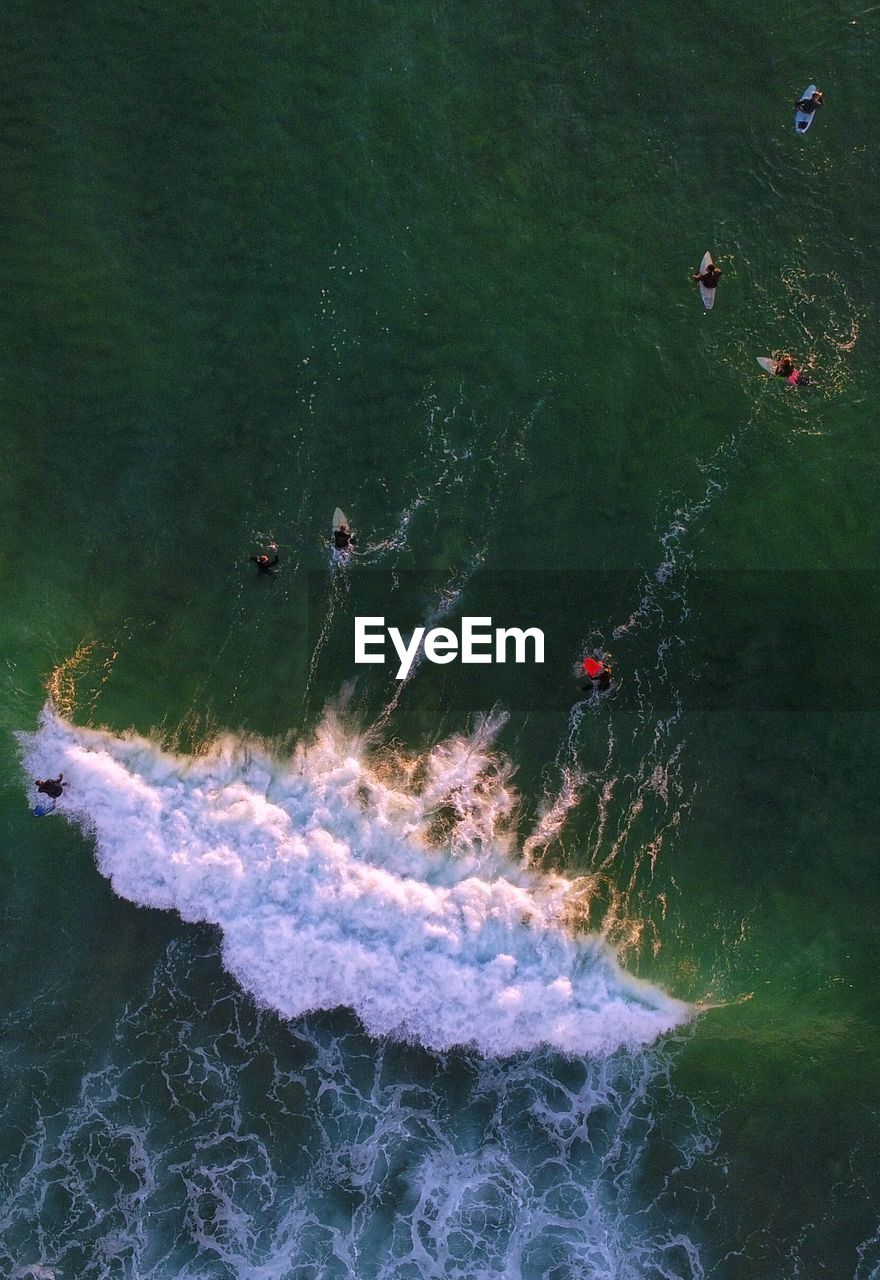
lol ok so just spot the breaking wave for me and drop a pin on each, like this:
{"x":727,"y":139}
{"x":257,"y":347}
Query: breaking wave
{"x":345,"y":876}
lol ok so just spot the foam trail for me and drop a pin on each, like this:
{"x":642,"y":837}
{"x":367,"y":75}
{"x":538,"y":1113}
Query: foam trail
{"x":490,"y":1166}
{"x":338,"y":582}
{"x":681,"y":521}
{"x":321,"y":876}
{"x":447,"y":598}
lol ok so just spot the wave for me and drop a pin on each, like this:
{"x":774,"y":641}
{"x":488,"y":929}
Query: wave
{"x":344,"y":876}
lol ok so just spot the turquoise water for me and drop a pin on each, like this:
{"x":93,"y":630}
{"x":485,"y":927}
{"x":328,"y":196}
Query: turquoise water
{"x":325,"y":976}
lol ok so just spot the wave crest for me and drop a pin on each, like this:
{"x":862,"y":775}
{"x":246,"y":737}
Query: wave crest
{"x":325,"y":876}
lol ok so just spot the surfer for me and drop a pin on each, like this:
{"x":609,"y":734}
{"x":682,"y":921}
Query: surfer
{"x":809,"y":105}
{"x":710,"y":277}
{"x":598,"y":673}
{"x":785,"y":369}
{"x":262,"y":561}
{"x":52,"y":787}
{"x":343,"y":538}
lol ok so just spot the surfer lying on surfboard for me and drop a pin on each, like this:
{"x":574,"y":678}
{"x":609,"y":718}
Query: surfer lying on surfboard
{"x":785,"y":369}
{"x":598,"y":673}
{"x":809,"y":105}
{"x":710,"y":277}
{"x":343,"y":538}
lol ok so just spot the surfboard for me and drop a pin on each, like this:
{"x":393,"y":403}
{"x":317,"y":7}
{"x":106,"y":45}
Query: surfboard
{"x":42,"y":808}
{"x":708,"y":295}
{"x":767,"y":363}
{"x":803,"y":119}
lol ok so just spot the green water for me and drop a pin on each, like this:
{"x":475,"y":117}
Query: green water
{"x":431,"y":263}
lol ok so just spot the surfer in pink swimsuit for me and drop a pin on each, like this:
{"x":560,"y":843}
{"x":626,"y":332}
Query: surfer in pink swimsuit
{"x":795,"y":377}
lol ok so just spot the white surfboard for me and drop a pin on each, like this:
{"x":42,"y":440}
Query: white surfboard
{"x":767,"y":363}
{"x":803,"y":119}
{"x":708,"y":295}
{"x":339,"y":519}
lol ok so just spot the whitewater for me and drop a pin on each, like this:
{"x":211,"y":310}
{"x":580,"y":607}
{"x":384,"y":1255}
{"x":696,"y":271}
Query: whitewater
{"x":341,"y":874}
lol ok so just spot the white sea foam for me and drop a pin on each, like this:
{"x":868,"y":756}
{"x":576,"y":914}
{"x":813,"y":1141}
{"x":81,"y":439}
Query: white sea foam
{"x":344,"y":879}
{"x":350,"y":1157}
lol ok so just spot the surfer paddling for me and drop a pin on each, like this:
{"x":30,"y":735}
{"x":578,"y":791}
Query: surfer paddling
{"x":598,"y":673}
{"x":343,"y":538}
{"x":262,"y":561}
{"x":811,"y":104}
{"x":708,"y":278}
{"x":785,"y":369}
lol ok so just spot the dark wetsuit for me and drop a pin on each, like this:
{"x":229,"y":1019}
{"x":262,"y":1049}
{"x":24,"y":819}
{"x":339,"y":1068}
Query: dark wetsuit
{"x":343,"y":539}
{"x":808,"y":105}
{"x":602,"y":681}
{"x":710,"y":277}
{"x":52,"y":787}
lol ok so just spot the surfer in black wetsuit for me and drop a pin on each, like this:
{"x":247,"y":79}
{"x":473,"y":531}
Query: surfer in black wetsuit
{"x":809,"y":105}
{"x":263,"y":563}
{"x":343,"y":538}
{"x":52,"y":787}
{"x":710,"y":277}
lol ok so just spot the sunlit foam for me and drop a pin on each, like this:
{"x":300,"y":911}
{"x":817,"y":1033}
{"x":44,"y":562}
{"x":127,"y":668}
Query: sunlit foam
{"x":344,"y":878}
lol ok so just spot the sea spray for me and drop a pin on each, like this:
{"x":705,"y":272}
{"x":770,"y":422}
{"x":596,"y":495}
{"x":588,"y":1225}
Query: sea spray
{"x":321,"y":873}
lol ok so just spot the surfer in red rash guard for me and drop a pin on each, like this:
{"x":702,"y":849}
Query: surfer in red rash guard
{"x":598,"y":673}
{"x":263,"y":563}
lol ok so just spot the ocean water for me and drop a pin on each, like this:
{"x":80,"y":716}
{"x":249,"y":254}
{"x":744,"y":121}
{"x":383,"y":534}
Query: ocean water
{"x":318,"y":974}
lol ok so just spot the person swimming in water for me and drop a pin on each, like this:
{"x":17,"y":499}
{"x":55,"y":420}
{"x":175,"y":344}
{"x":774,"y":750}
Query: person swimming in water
{"x":710,"y":277}
{"x":809,"y":105}
{"x":52,"y":787}
{"x":262,"y":561}
{"x":598,"y":673}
